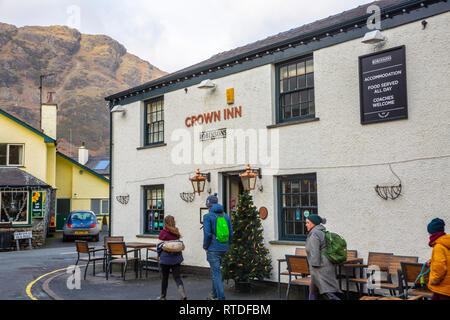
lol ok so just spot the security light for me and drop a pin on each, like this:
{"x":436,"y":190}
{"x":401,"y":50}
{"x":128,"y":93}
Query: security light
{"x":373,"y":37}
{"x":118,"y":108}
{"x":207,"y":84}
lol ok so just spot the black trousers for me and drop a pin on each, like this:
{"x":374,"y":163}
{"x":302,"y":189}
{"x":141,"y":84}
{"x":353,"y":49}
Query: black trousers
{"x":165,"y":271}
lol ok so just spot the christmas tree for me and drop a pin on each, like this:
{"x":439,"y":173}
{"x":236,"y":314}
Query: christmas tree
{"x":247,"y":258}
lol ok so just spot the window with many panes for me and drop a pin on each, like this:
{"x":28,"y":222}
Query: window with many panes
{"x":100,"y":206}
{"x":154,"y":209}
{"x":154,"y":121}
{"x":297,"y":195}
{"x":296,"y":89}
{"x":11,"y":154}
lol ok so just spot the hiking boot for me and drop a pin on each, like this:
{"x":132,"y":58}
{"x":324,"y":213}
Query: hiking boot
{"x":181,"y":292}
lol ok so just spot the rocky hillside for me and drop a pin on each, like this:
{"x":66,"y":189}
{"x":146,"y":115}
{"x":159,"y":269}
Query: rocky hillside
{"x":87,"y":67}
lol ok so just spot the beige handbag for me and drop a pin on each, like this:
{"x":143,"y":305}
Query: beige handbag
{"x":173,"y":246}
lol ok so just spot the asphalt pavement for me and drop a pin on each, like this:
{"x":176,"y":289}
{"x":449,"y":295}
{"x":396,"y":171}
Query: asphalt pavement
{"x":45,"y":273}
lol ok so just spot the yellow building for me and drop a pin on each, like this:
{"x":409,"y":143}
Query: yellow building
{"x":38,"y":182}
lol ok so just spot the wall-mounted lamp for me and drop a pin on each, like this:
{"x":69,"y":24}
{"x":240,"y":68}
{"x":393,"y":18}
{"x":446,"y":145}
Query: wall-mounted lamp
{"x":248,"y":178}
{"x":207,"y":84}
{"x":119,"y":109}
{"x":373,"y":37}
{"x":198,"y":181}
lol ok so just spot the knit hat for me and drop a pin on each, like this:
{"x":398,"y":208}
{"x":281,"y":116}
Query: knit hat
{"x":436,"y":225}
{"x":212,"y":200}
{"x":315,"y":219}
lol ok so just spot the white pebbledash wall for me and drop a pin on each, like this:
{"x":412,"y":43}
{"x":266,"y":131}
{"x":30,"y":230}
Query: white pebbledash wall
{"x":350,"y":159}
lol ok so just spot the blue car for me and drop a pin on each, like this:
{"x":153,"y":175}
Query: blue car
{"x":81,"y":225}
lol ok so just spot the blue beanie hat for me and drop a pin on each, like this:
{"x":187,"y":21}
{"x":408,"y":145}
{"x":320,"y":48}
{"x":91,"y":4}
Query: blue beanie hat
{"x":436,"y":225}
{"x":212,"y":200}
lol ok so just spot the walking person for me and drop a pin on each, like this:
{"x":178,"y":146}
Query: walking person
{"x":439,"y":282}
{"x":170,"y":260}
{"x":323,"y":275}
{"x":216,"y":244}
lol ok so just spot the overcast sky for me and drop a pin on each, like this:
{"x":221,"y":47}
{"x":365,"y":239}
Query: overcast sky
{"x":174,"y":34}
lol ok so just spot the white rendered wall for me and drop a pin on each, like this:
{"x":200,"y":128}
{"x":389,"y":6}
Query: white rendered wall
{"x":350,"y":159}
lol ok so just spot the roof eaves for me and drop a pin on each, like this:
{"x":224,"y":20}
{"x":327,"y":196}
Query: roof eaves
{"x":47,"y":139}
{"x":82,"y":166}
{"x":193,"y":71}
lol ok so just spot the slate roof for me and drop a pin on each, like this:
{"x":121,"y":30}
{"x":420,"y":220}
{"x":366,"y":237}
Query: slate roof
{"x":327,"y":24}
{"x":101,"y":165}
{"x":15,"y":177}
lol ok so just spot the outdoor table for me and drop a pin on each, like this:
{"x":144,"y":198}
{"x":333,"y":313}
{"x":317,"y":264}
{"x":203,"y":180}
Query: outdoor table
{"x":139,"y":245}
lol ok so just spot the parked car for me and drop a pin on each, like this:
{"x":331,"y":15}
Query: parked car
{"x":81,"y":225}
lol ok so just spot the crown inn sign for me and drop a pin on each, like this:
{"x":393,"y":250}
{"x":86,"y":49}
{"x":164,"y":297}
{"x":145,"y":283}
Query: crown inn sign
{"x":214,"y":116}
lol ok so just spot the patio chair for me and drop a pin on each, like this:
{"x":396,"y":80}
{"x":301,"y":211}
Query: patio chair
{"x":105,"y":245}
{"x":410,"y":272}
{"x":298,"y":265}
{"x":378,"y":259}
{"x":298,"y":252}
{"x":119,"y":248}
{"x":395,"y":270}
{"x":150,"y":258}
{"x":83,"y":248}
{"x":352,"y":255}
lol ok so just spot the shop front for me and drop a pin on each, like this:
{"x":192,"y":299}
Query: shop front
{"x":25,"y":203}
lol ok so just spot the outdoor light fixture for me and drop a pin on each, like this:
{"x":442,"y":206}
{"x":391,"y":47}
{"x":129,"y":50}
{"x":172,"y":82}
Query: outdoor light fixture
{"x":248,"y":178}
{"x":207,"y":84}
{"x":198,"y":181}
{"x":119,"y":109}
{"x":373,"y":37}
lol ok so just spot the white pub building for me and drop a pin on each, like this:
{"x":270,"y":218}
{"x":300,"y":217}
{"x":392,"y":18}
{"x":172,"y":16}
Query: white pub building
{"x":347,"y":117}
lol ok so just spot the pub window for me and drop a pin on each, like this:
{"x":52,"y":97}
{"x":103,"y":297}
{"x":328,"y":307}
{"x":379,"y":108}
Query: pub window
{"x":100,"y":206}
{"x":296,"y":89}
{"x":11,"y":154}
{"x":297,"y":194}
{"x":154,"y":121}
{"x":14,"y":207}
{"x":154,"y":209}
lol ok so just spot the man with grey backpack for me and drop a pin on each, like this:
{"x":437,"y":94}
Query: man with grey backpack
{"x":217,"y":233}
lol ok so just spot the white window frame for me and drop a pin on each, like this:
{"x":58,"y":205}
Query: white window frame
{"x":8,"y":145}
{"x":27,"y":222}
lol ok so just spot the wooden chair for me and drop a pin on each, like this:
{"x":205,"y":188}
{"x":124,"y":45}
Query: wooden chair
{"x":149,"y":259}
{"x":105,"y":246}
{"x":378,"y":259}
{"x":298,"y":265}
{"x":410,"y":272}
{"x":395,"y":270}
{"x":298,"y":252}
{"x":352,"y":255}
{"x":118,"y":248}
{"x":83,"y":248}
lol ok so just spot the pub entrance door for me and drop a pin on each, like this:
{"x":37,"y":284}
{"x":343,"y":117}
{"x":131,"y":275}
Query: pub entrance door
{"x":232,"y":188}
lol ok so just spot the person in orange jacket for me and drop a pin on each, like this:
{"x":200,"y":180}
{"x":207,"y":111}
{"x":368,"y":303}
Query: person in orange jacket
{"x":439,"y":282}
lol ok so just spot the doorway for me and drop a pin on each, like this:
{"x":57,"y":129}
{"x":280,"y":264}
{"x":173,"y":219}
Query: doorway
{"x":232,"y":188}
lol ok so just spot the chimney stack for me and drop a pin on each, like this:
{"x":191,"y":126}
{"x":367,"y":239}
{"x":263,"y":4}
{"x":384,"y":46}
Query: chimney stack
{"x":83,"y":154}
{"x":49,"y":116}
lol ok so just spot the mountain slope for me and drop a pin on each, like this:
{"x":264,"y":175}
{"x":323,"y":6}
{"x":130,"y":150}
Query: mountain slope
{"x":87,"y":67}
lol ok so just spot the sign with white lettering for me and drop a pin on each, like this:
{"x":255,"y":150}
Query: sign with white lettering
{"x":23,"y":235}
{"x":382,"y":77}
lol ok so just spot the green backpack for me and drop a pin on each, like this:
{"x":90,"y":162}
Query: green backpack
{"x":222,"y":231}
{"x":336,"y":248}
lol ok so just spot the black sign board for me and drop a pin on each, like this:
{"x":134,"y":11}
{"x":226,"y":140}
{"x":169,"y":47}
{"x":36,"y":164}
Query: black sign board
{"x":382,"y":78}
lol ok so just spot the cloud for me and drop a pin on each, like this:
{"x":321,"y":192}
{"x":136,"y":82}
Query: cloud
{"x":176,"y":34}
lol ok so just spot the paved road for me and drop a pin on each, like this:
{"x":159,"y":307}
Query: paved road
{"x":19,"y":268}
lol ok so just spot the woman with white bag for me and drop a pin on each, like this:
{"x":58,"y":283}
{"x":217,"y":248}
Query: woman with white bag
{"x":170,"y":256}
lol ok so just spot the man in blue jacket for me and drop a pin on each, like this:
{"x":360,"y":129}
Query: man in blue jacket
{"x":215,"y":250}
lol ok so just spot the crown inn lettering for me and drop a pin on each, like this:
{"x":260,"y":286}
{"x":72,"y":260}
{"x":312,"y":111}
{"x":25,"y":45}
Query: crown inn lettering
{"x":214,"y":116}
